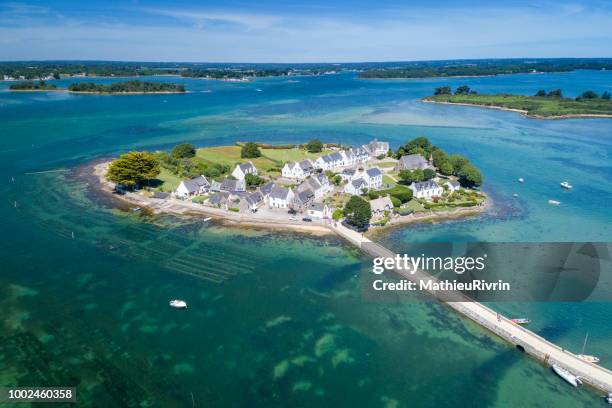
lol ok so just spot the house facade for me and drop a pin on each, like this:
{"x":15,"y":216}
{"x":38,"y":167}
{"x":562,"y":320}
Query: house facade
{"x":329,"y":161}
{"x":319,"y":210}
{"x":380,"y":205}
{"x":242,"y":169}
{"x":280,"y":197}
{"x":251,"y":202}
{"x":453,"y":185}
{"x":426,"y":189}
{"x":376,"y":148}
{"x":356,"y":186}
{"x":297,"y":170}
{"x":195,"y":186}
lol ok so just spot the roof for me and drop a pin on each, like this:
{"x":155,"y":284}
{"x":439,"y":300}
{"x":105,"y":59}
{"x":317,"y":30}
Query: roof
{"x":215,"y":186}
{"x":266,"y":188}
{"x":254,"y":198}
{"x":316,"y":207}
{"x":303,"y":196}
{"x":233,"y":185}
{"x":374,"y":172}
{"x":327,"y":158}
{"x":453,"y":183}
{"x":413,"y":161}
{"x":348,"y":172}
{"x":218,"y":198}
{"x":248,"y":166}
{"x":306,"y":165}
{"x":425,"y":185}
{"x":335,"y":156}
{"x":381,"y":204}
{"x":279,"y":192}
{"x":196,"y":183}
{"x":359,"y":183}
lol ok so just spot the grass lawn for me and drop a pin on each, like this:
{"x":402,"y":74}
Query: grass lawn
{"x":386,"y":165}
{"x":388,"y":182}
{"x":285,"y":155}
{"x":169,"y":181}
{"x":415,"y":206}
{"x":230,"y":155}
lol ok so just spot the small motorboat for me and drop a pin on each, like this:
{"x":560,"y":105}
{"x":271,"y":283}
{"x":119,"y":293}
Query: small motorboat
{"x":572,"y":379}
{"x":514,"y":195}
{"x":588,"y":359}
{"x":566,"y":185}
{"x":521,"y":180}
{"x":554,"y":202}
{"x":609,"y":398}
{"x":207,"y":219}
{"x":178,"y":304}
{"x":521,"y":320}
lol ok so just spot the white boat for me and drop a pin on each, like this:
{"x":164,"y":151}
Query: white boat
{"x":521,"y":320}
{"x":521,"y":180}
{"x":207,"y":219}
{"x":178,"y":304}
{"x":588,"y":359}
{"x":609,"y":398}
{"x":566,"y":185}
{"x":554,"y":202}
{"x":566,"y":375}
{"x":514,"y":195}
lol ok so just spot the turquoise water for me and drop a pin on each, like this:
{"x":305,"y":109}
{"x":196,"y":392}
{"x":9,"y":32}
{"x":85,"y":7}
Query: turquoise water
{"x":278,"y":319}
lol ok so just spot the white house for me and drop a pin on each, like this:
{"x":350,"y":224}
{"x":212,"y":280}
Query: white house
{"x":361,"y":155}
{"x":426,"y":189}
{"x":195,"y":186}
{"x":250,"y":202}
{"x":232,"y":186}
{"x":376,"y":148}
{"x":329,"y":161}
{"x":319,"y":210}
{"x":356,"y":186}
{"x":374,"y":176}
{"x":453,"y":185}
{"x":243,"y":169}
{"x":348,"y":174}
{"x":319,"y":185}
{"x":280,"y":197}
{"x":297,"y":170}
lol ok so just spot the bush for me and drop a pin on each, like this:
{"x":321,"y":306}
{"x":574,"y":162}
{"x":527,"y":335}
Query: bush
{"x":396,"y":201}
{"x":314,"y":146}
{"x":404,"y":211}
{"x":253,"y":180}
{"x":428,"y":174}
{"x":184,"y":150}
{"x":337,"y":214}
{"x":250,"y":150}
{"x":358,"y":211}
{"x":234,"y":209}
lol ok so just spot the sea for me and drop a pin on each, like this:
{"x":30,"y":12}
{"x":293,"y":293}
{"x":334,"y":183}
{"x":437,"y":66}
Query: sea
{"x":278,"y":318}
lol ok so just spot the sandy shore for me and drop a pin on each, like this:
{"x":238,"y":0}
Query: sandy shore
{"x":522,"y":112}
{"x":317,"y":227}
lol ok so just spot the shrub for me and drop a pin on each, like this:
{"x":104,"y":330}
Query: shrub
{"x":250,"y":150}
{"x":184,"y":150}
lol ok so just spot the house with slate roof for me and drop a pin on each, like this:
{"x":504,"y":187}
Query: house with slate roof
{"x":426,"y":189}
{"x":242,"y":169}
{"x":412,"y":162}
{"x":376,"y":148}
{"x":280,"y":197}
{"x":297,"y":170}
{"x":195,"y":186}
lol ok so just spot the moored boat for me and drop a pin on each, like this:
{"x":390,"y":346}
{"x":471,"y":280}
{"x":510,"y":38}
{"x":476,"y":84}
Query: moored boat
{"x":554,"y":202}
{"x":178,"y":304}
{"x":521,"y":180}
{"x":588,"y":359}
{"x":521,"y":320}
{"x":609,"y":398}
{"x":572,"y":379}
{"x":566,"y":185}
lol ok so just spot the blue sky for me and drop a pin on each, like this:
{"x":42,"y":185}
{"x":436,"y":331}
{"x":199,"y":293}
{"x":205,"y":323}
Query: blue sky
{"x":302,"y":31}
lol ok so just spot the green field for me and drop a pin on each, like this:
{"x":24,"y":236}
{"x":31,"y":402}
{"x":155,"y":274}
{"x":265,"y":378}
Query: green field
{"x":169,"y":180}
{"x":295,"y":154}
{"x":535,"y":106}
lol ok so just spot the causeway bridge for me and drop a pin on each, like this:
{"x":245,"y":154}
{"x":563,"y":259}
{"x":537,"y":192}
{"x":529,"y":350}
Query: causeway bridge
{"x":533,"y":344}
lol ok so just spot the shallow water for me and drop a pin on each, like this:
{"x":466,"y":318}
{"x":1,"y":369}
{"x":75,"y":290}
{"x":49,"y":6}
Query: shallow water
{"x":278,"y":319}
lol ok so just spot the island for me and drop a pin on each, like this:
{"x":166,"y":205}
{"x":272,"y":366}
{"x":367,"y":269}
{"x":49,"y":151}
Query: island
{"x":476,"y":68}
{"x":311,"y":186}
{"x":129,"y":87}
{"x":32,"y":86}
{"x":543,"y":105}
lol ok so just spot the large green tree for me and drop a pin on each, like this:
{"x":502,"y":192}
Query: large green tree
{"x":133,"y":168}
{"x":250,"y":150}
{"x":358,"y":212}
{"x":314,"y":146}
{"x":469,"y":176}
{"x":183,"y":151}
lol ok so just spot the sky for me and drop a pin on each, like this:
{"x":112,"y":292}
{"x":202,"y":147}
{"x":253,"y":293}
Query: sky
{"x":302,"y":30}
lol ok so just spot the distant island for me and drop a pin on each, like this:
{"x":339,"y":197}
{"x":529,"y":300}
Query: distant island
{"x":32,"y":86}
{"x":543,"y":105}
{"x":472,"y":68}
{"x":128,"y":87}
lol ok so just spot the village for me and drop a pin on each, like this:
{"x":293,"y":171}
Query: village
{"x":318,"y":189}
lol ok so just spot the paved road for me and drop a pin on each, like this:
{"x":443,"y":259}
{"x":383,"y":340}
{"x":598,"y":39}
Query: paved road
{"x":549,"y":353}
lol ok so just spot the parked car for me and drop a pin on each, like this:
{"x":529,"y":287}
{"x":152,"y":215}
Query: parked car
{"x":306,"y":219}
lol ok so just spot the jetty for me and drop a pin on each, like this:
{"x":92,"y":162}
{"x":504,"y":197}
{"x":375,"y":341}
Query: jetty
{"x":520,"y":337}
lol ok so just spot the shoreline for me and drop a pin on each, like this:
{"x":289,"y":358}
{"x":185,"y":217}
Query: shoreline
{"x":96,"y":93}
{"x":524,"y":112}
{"x":316,"y":227}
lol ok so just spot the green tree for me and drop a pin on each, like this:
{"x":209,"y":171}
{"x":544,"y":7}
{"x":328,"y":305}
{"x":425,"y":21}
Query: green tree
{"x":402,"y":193}
{"x":428,"y":174}
{"x":457,"y":161}
{"x":133,"y":168}
{"x":183,"y":150}
{"x":358,"y":211}
{"x":253,"y":180}
{"x":469,"y":176}
{"x":555,"y":93}
{"x":445,"y":167}
{"x":541,"y":92}
{"x":395,"y":201}
{"x":587,"y":95}
{"x":406,"y":176}
{"x":336,"y":180}
{"x":443,"y":90}
{"x":462,"y":90}
{"x":337,"y":214}
{"x":605,"y":95}
{"x":418,"y":175}
{"x":250,"y":150}
{"x":314,"y":146}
